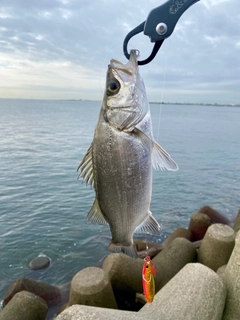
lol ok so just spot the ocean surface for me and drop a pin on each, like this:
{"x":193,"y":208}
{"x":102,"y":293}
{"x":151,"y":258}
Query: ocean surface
{"x":43,"y":206}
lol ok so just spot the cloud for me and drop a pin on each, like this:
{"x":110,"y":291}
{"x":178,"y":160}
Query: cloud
{"x":62,"y":47}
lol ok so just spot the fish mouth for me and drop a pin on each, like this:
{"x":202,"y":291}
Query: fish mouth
{"x":128,"y":69}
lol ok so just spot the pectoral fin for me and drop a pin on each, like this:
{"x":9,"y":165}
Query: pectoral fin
{"x":95,"y":215}
{"x":86,"y":168}
{"x":160,"y":158}
{"x":153,"y":269}
{"x":149,"y":225}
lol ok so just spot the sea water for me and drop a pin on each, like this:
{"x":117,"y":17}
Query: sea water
{"x":43,"y":207}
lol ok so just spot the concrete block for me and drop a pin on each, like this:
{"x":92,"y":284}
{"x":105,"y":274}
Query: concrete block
{"x":172,"y":259}
{"x":93,"y":313}
{"x":216,"y":246}
{"x":198,"y":225}
{"x":25,"y":306}
{"x":91,"y":286}
{"x":143,"y":245}
{"x":178,"y":233}
{"x":214,"y":215}
{"x":196,"y":292}
{"x":51,"y":294}
{"x":236,"y":226}
{"x":232,"y":281}
{"x":125,"y":273}
{"x":221,"y":271}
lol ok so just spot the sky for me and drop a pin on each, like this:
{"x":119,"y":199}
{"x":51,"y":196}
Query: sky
{"x":60,"y":49}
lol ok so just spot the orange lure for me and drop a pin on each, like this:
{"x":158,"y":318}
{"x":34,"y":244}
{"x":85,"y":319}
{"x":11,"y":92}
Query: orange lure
{"x":148,"y":273}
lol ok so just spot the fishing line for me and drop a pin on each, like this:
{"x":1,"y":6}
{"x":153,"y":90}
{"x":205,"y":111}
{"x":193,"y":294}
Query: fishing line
{"x":146,"y":244}
{"x":162,"y":93}
{"x":104,"y":65}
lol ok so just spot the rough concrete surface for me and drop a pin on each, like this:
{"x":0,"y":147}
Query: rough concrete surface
{"x":78,"y":312}
{"x":232,"y":281}
{"x":25,"y":306}
{"x":196,"y":292}
{"x":91,"y":286}
{"x":172,"y":259}
{"x":217,"y":246}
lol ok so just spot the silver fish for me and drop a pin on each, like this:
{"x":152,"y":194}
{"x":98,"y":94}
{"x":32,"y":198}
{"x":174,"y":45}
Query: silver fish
{"x":119,"y":161}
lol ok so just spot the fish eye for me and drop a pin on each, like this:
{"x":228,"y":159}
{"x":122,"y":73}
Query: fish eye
{"x":146,"y":266}
{"x":113,"y":87}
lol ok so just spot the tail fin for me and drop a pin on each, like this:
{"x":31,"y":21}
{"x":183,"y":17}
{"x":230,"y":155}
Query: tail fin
{"x":131,"y":250}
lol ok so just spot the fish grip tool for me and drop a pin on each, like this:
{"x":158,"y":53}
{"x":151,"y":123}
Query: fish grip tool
{"x":159,"y":25}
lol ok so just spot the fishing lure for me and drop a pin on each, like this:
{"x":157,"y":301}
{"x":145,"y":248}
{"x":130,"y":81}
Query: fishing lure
{"x":148,"y":273}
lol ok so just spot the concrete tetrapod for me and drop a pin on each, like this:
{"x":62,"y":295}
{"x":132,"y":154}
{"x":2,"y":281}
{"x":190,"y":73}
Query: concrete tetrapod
{"x":216,"y":246}
{"x":221,"y":271}
{"x":231,"y":279}
{"x":198,"y":225}
{"x":178,"y":233}
{"x":172,"y":259}
{"x":125,"y":273}
{"x":91,"y":286}
{"x":77,"y":312}
{"x":196,"y":292}
{"x":214,"y":215}
{"x":25,"y":306}
{"x":236,"y":226}
{"x":51,"y":294}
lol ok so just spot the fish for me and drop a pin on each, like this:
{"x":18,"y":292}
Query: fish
{"x":148,"y":273}
{"x":118,"y":163}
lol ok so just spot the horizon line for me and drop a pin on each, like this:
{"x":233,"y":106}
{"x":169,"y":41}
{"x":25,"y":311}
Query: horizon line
{"x":150,"y":102}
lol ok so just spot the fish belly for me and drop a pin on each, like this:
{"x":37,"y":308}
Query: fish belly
{"x":122,"y":180}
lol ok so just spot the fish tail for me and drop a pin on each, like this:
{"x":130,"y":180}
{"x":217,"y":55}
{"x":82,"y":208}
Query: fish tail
{"x":131,"y":250}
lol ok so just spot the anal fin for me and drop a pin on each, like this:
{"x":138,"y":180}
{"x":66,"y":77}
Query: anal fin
{"x":149,"y":225}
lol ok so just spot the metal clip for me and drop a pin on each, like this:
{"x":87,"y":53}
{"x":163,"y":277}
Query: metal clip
{"x":159,"y":25}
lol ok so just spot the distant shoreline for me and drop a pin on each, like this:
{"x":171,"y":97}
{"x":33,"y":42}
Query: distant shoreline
{"x":151,"y":102}
{"x":199,"y":104}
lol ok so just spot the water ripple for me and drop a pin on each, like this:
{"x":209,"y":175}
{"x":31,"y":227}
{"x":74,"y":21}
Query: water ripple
{"x":44,"y":207}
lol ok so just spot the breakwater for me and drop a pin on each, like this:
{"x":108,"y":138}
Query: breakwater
{"x":198,"y":277}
